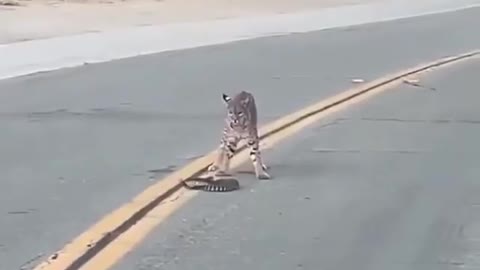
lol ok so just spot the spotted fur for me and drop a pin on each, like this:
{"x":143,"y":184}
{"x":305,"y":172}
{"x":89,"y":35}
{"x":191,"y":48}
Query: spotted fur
{"x":240,"y":123}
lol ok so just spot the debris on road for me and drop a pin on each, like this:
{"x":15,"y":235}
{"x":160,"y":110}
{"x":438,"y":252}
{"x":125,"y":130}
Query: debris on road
{"x":358,"y":80}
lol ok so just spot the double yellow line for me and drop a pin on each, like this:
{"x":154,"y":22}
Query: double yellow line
{"x":106,"y":242}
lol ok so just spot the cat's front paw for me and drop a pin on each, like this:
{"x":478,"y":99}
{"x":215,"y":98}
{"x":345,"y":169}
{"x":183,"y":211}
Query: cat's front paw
{"x":212,"y":168}
{"x":263,"y":176}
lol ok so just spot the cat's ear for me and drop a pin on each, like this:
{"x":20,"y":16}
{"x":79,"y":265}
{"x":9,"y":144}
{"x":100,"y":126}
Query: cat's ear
{"x":226,"y":98}
{"x":245,"y":100}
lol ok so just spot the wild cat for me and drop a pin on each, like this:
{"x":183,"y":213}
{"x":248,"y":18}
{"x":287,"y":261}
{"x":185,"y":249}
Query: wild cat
{"x":240,"y":123}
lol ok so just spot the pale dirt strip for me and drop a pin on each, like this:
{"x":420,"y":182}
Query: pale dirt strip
{"x":52,"y":18}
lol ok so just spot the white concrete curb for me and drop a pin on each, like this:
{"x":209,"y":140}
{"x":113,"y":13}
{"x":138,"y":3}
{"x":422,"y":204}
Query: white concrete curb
{"x":28,"y":57}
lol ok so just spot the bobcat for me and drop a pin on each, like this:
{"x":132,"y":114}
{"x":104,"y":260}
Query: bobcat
{"x":240,"y":123}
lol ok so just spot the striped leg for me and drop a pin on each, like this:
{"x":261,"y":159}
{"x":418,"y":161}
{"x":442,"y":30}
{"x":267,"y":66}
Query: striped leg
{"x":230,"y":148}
{"x":219,"y":159}
{"x":256,"y":158}
{"x":225,"y":153}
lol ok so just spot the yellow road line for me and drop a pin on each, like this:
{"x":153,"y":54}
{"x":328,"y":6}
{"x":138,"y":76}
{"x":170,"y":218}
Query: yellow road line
{"x":106,"y":242}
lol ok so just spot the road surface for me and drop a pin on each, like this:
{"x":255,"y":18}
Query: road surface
{"x":391,"y":183}
{"x":77,"y":143}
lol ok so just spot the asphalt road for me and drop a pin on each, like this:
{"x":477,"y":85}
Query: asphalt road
{"x":391,"y":183}
{"x":80,"y":142}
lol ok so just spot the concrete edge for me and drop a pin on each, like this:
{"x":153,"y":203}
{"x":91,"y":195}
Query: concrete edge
{"x":29,"y":57}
